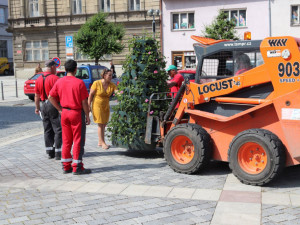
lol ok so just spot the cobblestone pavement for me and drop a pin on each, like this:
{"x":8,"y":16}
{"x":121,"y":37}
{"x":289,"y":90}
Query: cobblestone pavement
{"x":128,"y":187}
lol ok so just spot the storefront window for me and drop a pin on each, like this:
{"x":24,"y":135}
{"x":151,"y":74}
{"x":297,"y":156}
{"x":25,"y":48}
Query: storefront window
{"x":184,"y":60}
{"x":3,"y":48}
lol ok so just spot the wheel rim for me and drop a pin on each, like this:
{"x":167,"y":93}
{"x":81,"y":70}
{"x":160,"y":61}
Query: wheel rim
{"x":182,"y":149}
{"x":252,"y":158}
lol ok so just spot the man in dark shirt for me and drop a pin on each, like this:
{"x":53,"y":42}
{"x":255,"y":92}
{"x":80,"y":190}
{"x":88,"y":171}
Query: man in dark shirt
{"x":112,"y":68}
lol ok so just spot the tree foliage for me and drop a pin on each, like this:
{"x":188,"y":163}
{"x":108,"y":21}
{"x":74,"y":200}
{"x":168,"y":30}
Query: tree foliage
{"x":221,"y":28}
{"x":98,"y":37}
{"x":144,"y":74}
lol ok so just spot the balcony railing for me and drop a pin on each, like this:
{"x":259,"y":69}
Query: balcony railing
{"x":78,"y":19}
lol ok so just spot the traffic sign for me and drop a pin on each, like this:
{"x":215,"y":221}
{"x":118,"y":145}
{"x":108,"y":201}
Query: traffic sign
{"x":69,"y":41}
{"x":57,"y":61}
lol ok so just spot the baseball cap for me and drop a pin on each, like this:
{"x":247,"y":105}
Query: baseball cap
{"x":50,"y":63}
{"x":171,"y":67}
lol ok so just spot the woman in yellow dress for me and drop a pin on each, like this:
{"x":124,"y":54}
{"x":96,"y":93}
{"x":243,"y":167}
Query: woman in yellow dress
{"x":100,"y":92}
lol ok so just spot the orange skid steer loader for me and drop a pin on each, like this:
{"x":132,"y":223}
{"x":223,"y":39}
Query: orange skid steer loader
{"x":247,"y":115}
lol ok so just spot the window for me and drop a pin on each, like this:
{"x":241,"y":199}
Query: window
{"x":229,"y":63}
{"x":105,"y":5}
{"x":295,"y":15}
{"x":3,"y":17}
{"x":82,"y":73}
{"x":36,"y":51}
{"x":134,"y":5}
{"x":96,"y":73}
{"x":34,"y":8}
{"x":3,"y":48}
{"x":80,"y":56}
{"x":184,"y":60}
{"x":182,"y":21}
{"x":238,"y":16}
{"x":76,"y":7}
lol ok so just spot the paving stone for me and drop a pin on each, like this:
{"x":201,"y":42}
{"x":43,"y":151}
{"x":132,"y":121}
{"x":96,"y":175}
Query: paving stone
{"x":18,"y":219}
{"x":124,"y":188}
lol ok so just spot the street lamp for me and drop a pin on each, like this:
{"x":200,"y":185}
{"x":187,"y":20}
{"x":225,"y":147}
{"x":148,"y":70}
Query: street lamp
{"x":153,"y":12}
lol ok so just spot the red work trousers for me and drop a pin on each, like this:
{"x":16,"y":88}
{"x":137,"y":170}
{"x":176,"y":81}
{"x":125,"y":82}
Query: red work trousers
{"x":73,"y":133}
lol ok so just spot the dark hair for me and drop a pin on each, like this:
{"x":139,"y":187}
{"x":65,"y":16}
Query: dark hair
{"x":105,"y":71}
{"x":244,"y":59}
{"x":70,"y":66}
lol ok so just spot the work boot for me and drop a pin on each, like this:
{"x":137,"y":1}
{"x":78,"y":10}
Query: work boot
{"x":58,"y":155}
{"x":67,"y":171}
{"x":82,"y":171}
{"x":51,"y":154}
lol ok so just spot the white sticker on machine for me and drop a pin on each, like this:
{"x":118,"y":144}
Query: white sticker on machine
{"x":274,"y":53}
{"x":290,"y":114}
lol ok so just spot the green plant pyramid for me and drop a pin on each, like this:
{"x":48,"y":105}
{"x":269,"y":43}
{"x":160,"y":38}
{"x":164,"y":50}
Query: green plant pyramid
{"x":144,"y":74}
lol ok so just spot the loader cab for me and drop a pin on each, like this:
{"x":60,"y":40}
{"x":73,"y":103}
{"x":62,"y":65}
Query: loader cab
{"x":223,"y":59}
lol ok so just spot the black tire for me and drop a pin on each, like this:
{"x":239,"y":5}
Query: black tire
{"x":201,"y":143}
{"x":31,"y":97}
{"x":6,"y":72}
{"x":267,"y":142}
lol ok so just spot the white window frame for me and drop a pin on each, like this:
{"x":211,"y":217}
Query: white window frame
{"x":33,"y":7}
{"x":76,"y":7}
{"x":296,"y":22}
{"x":179,"y":19}
{"x":238,"y":15}
{"x":136,"y":5}
{"x":42,"y":50}
{"x":105,"y":5}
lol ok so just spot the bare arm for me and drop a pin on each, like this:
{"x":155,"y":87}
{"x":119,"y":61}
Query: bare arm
{"x":37,"y":103}
{"x":54,"y":103}
{"x":86,"y":111}
{"x":171,"y":83}
{"x":91,"y":98}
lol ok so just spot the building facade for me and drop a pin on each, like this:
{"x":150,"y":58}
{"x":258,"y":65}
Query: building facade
{"x":285,"y":18}
{"x":181,"y":19}
{"x":42,"y":28}
{"x":6,"y":47}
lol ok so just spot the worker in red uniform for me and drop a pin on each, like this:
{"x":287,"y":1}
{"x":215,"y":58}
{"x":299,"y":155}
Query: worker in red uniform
{"x":73,"y":97}
{"x":177,"y":79}
{"x":49,"y":114}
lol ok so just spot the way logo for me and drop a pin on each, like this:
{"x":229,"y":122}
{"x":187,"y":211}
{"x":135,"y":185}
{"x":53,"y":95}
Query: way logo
{"x":277,"y":42}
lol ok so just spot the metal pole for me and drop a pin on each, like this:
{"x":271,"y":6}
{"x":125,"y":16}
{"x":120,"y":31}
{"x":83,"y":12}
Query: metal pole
{"x":270,"y":17}
{"x":16,"y":88}
{"x":2,"y":90}
{"x":153,"y":27}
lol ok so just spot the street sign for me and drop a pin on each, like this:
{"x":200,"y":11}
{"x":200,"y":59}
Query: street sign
{"x":57,"y":60}
{"x":69,"y":41}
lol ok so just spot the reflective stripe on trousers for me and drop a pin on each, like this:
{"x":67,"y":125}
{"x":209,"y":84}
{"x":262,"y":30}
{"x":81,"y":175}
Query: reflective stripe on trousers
{"x":66,"y":160}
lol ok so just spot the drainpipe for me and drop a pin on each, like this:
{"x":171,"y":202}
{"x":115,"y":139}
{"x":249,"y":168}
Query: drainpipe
{"x":161,"y":29}
{"x":270,"y":23}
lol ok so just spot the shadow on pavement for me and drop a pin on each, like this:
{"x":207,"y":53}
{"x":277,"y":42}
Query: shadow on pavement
{"x":289,"y":178}
{"x":156,"y":154}
{"x":128,"y":167}
{"x":215,"y":168}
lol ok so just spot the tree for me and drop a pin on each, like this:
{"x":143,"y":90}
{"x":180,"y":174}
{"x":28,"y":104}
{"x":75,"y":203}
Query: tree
{"x":221,"y":28}
{"x":98,"y":37}
{"x":144,"y":74}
